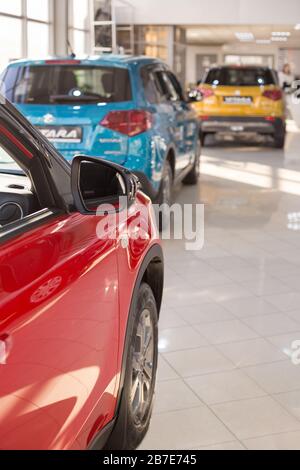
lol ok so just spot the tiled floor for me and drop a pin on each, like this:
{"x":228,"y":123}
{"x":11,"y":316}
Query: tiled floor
{"x":232,"y":311}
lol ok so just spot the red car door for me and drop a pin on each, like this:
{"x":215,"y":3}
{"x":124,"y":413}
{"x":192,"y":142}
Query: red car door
{"x":59,"y":322}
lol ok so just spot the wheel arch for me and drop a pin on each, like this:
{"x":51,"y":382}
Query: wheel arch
{"x":152,"y":272}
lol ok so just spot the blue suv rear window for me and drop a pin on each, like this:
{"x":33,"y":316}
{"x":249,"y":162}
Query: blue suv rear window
{"x":61,"y":84}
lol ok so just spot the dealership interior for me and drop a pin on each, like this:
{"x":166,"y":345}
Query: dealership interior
{"x":229,"y":331}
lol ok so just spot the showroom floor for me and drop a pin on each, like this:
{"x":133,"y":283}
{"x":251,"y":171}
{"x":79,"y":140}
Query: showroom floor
{"x":232,"y":311}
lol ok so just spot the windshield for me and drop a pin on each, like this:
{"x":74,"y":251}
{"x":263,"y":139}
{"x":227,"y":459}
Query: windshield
{"x":240,"y":76}
{"x":46,"y":84}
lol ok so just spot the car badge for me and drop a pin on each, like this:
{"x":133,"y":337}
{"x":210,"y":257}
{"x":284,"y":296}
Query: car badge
{"x":48,"y":119}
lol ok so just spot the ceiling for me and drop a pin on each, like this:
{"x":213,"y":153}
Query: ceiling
{"x":213,"y":35}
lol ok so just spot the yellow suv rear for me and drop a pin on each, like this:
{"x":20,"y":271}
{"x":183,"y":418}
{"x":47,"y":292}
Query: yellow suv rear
{"x":242,"y":99}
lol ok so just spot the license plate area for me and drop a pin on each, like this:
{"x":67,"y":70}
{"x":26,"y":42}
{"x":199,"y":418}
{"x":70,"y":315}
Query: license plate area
{"x":62,"y":134}
{"x":238,"y":100}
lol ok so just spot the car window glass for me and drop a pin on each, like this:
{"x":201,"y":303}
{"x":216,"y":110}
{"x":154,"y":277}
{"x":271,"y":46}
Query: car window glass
{"x":240,"y":76}
{"x":176,"y":85}
{"x":7,"y":83}
{"x":167,"y":86}
{"x":152,"y":93}
{"x":46,"y":84}
{"x":7,"y":163}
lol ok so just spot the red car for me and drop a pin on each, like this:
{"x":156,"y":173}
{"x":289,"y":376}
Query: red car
{"x":78,"y":310}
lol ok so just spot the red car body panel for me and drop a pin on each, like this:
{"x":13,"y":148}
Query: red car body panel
{"x":65,"y":298}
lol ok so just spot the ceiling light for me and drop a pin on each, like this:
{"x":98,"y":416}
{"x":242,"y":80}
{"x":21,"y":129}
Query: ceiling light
{"x":279,"y":38}
{"x":297,"y":27}
{"x":281,"y":33}
{"x":245,"y":36}
{"x":263,"y":41}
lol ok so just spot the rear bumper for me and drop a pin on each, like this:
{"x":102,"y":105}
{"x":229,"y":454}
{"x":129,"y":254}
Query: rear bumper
{"x":214,"y":124}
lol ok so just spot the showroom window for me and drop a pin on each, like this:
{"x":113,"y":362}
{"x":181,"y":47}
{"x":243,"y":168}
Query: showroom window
{"x":79,"y":26}
{"x":31,"y":21}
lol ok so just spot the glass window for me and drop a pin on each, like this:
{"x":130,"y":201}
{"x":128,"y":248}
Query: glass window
{"x":80,"y":42}
{"x":46,"y":84}
{"x":102,"y":10}
{"x":176,"y":85}
{"x":240,"y":76}
{"x":149,"y":83}
{"x":13,"y":7}
{"x":167,"y":86}
{"x":80,"y":14}
{"x":38,"y":39}
{"x":38,"y":9}
{"x":8,"y":81}
{"x":12,"y":42}
{"x":103,"y":37}
{"x":7,"y":163}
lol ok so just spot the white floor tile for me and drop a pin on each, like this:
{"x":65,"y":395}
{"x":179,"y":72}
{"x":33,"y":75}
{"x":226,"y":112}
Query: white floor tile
{"x":195,"y":362}
{"x":205,"y":313}
{"x":174,"y":395}
{"x":248,"y":307}
{"x":226,"y":332}
{"x":220,"y":293}
{"x":256,"y":417}
{"x":286,"y":441}
{"x":229,"y":446}
{"x":285,"y":302}
{"x":177,"y":339}
{"x":277,"y":377}
{"x":285,"y":342}
{"x":266,"y":286}
{"x":290,"y":401}
{"x":185,"y":429}
{"x":224,"y":387}
{"x":251,"y":352}
{"x":170,"y":319}
{"x":271,"y":325}
{"x":165,"y":371}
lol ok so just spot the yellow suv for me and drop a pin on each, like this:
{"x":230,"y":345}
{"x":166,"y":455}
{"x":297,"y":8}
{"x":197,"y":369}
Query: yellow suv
{"x":240,"y":99}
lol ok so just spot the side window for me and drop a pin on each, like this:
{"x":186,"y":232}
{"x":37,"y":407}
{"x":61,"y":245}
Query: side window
{"x":167,"y":86}
{"x":177,"y":86}
{"x":150,"y":86}
{"x":8,"y":81}
{"x":18,"y":199}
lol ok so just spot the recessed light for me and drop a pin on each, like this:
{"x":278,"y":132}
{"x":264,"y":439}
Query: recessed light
{"x":279,"y":38}
{"x":263,"y":41}
{"x":245,"y":36}
{"x":281,"y":33}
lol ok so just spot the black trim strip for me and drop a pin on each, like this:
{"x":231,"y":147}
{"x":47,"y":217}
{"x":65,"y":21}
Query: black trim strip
{"x":28,"y":223}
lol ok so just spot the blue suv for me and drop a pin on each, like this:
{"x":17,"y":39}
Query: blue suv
{"x":129,"y":110}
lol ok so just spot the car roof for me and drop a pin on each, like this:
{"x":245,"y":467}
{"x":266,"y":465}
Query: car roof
{"x":105,"y":59}
{"x":250,"y":67}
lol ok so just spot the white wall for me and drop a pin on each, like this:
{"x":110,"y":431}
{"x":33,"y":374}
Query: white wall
{"x":191,"y":59}
{"x":191,"y":12}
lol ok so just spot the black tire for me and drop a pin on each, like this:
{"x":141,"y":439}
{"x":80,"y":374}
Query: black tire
{"x":192,"y":177}
{"x":133,"y":423}
{"x":279,"y":141}
{"x":164,"y":197}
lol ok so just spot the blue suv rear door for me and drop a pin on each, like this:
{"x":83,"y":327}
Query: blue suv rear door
{"x":179,"y":121}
